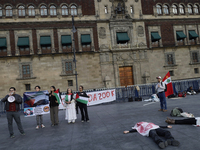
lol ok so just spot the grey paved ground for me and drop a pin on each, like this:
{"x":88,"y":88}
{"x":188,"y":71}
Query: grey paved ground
{"x":105,"y":130}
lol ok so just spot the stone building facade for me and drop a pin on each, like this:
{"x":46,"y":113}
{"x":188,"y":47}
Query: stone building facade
{"x":163,"y":36}
{"x":117,"y":42}
{"x":36,"y":45}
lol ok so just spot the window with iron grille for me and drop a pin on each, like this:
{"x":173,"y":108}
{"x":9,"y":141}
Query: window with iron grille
{"x":170,"y":60}
{"x":195,"y":57}
{"x":68,"y":68}
{"x":27,"y":87}
{"x":70,"y":82}
{"x":196,"y":70}
{"x":26,"y":71}
{"x":171,"y":73}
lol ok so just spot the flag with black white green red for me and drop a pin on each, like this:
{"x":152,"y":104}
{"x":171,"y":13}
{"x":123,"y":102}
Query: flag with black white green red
{"x":82,"y":99}
{"x":57,"y":95}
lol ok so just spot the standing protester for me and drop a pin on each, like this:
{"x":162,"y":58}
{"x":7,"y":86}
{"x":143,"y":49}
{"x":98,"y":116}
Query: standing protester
{"x":82,"y":106}
{"x":160,"y":89}
{"x":70,"y":113}
{"x":53,"y":107}
{"x":12,"y":108}
{"x":39,"y":118}
{"x":155,"y":131}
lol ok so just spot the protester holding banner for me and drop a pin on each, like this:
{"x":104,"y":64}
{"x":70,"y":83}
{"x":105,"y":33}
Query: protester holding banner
{"x":53,"y":107}
{"x":39,"y":118}
{"x":82,"y":100}
{"x":70,"y":113}
{"x":160,"y":88}
{"x":155,"y":131}
{"x":12,"y":108}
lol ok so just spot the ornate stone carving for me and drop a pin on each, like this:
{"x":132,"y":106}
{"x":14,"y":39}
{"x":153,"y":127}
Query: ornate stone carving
{"x":141,"y":44}
{"x":103,"y":46}
{"x":140,"y":31}
{"x":102,"y":33}
{"x":119,"y":9}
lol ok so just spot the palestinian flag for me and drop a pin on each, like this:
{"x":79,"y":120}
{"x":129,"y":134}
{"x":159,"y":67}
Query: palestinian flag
{"x":67,"y":97}
{"x":57,"y":95}
{"x":167,"y":80}
{"x":82,"y":99}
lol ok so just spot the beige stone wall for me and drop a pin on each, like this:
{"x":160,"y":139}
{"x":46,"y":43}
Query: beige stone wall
{"x":47,"y":70}
{"x":183,"y":70}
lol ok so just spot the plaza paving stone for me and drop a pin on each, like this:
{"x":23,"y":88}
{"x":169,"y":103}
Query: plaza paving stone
{"x":105,"y":129}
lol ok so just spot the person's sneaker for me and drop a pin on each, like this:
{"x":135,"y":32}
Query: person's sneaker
{"x":37,"y":127}
{"x":173,"y":142}
{"x":52,"y":125}
{"x":12,"y":136}
{"x":82,"y":121}
{"x":160,"y":110}
{"x":163,"y":144}
{"x":73,"y":121}
{"x":69,"y":122}
{"x":22,"y":133}
{"x":164,"y":110}
{"x":42,"y":126}
{"x":88,"y":120}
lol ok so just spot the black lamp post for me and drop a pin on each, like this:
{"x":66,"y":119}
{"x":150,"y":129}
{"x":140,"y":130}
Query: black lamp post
{"x":73,"y":44}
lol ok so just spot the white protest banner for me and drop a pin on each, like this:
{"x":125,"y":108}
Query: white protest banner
{"x":62,"y":104}
{"x":100,"y":97}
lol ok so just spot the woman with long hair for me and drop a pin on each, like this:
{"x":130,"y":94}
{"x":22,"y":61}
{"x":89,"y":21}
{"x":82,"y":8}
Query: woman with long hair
{"x":53,"y":107}
{"x":82,"y":106}
{"x":70,"y":113}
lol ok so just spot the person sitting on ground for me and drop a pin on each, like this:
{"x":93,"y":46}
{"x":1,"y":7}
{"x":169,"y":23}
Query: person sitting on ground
{"x":191,"y":121}
{"x":155,"y":131}
{"x":190,"y":91}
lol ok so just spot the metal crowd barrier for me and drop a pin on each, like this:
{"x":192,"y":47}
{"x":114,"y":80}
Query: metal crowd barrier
{"x":123,"y":93}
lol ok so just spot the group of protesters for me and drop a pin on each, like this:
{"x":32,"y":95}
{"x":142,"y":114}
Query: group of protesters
{"x":72,"y":105}
{"x":155,"y":131}
{"x":13,"y":101}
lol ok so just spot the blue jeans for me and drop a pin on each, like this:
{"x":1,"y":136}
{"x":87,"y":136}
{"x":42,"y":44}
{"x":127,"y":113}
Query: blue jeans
{"x":162,"y":98}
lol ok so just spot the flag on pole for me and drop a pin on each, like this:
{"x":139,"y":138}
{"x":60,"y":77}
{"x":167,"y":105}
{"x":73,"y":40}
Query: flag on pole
{"x":82,"y":99}
{"x":168,"y":82}
{"x":57,"y":95}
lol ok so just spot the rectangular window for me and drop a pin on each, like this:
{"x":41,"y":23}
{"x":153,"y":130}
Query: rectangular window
{"x":26,"y":71}
{"x":171,"y":73}
{"x":27,"y":87}
{"x":70,"y":82}
{"x":131,"y":9}
{"x":106,"y":9}
{"x":170,"y":60}
{"x":68,"y":68}
{"x":196,"y":70}
{"x":195,"y":57}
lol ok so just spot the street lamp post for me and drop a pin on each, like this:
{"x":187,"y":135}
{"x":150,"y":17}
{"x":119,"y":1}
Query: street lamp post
{"x":73,"y":44}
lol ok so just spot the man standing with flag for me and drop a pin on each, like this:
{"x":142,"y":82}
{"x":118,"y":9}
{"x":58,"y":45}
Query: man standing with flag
{"x":160,"y":89}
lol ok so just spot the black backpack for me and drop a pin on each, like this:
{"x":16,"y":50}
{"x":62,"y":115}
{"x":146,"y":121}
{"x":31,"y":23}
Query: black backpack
{"x":165,"y":87}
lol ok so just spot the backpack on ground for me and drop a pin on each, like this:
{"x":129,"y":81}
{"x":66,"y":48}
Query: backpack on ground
{"x":176,"y":112}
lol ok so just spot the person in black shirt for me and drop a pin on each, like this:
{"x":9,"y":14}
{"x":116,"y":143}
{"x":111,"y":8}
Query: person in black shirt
{"x":13,"y":111}
{"x":53,"y":107}
{"x":83,"y":107}
{"x":154,"y":131}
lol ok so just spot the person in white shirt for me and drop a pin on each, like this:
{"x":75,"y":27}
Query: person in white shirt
{"x":160,"y":89}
